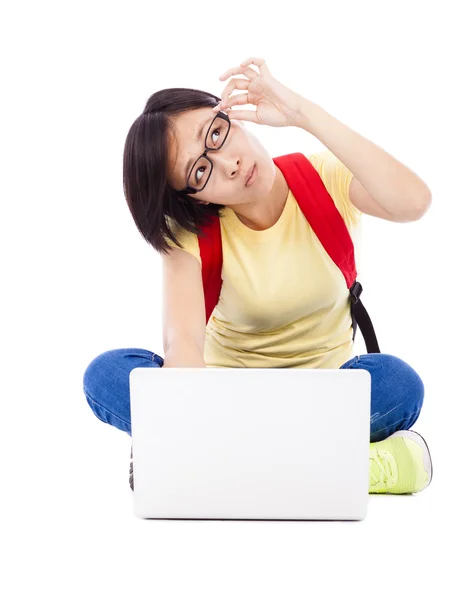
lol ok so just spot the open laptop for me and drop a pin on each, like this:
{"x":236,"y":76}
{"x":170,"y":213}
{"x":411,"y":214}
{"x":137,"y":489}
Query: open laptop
{"x":239,"y":443}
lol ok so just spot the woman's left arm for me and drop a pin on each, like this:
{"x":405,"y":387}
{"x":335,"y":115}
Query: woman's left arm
{"x":380,"y":181}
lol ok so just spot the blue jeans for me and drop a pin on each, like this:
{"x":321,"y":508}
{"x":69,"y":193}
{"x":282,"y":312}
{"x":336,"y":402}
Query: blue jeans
{"x":397,"y":391}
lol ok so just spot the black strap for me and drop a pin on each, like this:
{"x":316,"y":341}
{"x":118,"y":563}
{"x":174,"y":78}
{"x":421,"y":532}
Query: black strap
{"x":359,"y":316}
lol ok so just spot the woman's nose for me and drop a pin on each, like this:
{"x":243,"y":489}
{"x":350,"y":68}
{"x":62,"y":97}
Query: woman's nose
{"x":229,"y":166}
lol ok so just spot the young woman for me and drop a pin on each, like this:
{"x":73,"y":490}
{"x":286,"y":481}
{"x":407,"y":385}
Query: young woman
{"x":188,"y":156}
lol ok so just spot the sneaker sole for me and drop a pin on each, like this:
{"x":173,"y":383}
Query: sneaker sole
{"x":420,"y":440}
{"x":131,"y":474}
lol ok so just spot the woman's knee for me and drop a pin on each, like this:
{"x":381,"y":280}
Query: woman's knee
{"x":397,"y":395}
{"x":106,"y":384}
{"x":403,"y":382}
{"x":392,"y":378}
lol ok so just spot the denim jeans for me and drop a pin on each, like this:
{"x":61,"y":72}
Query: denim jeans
{"x":397,"y":391}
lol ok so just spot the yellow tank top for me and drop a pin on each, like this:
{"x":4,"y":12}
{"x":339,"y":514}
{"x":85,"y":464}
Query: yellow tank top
{"x":283,"y":302}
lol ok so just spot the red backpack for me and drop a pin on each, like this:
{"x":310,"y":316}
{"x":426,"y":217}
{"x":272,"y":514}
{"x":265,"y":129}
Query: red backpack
{"x":327,"y":223}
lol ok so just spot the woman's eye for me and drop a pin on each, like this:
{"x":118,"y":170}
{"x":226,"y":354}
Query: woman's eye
{"x":218,"y":129}
{"x":203,"y":169}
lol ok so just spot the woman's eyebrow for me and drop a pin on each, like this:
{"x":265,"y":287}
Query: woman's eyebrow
{"x":198,"y":135}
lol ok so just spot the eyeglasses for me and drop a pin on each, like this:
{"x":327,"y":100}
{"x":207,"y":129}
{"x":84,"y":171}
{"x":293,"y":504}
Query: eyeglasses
{"x":202,"y":167}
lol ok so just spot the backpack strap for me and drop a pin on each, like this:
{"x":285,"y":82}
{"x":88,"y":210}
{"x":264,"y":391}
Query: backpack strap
{"x":327,"y":223}
{"x":211,"y":263}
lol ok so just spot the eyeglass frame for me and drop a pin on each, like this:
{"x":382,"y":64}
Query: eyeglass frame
{"x":189,"y":189}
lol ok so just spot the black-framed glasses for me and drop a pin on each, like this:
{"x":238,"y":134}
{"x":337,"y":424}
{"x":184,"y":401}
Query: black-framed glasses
{"x":202,"y":168}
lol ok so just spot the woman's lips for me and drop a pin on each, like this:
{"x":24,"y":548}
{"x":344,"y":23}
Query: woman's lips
{"x":252,"y":176}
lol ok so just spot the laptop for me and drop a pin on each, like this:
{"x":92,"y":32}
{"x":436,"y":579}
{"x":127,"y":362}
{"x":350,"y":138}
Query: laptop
{"x":243,"y":443}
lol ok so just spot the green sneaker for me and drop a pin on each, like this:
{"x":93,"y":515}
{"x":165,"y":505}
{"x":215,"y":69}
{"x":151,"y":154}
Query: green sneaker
{"x":400,"y":464}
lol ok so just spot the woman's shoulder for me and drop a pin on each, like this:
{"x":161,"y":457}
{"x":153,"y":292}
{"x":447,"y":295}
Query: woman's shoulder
{"x":337,"y":179}
{"x":188,"y":239}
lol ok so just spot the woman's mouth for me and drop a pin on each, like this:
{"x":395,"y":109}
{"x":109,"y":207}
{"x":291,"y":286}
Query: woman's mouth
{"x":252,"y":176}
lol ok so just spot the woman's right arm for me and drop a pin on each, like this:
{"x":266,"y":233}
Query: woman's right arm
{"x":183,"y":353}
{"x":184,"y":317}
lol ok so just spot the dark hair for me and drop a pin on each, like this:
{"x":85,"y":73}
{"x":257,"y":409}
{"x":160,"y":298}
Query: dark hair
{"x":145,"y":169}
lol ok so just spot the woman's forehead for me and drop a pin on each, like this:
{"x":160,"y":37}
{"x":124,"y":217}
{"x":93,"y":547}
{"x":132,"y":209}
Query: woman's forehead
{"x":188,"y":123}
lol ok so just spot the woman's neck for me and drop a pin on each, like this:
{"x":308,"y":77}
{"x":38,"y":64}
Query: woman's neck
{"x":267,"y":212}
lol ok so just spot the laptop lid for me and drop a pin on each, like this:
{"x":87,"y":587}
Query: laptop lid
{"x":229,"y":443}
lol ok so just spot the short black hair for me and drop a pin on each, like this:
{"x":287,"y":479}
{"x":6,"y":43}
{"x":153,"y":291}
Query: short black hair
{"x":145,"y":170}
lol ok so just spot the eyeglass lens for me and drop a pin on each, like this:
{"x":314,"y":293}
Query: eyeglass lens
{"x":201,"y":170}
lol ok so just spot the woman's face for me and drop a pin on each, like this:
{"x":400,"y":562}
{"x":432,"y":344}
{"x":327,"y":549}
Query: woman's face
{"x":231,"y":164}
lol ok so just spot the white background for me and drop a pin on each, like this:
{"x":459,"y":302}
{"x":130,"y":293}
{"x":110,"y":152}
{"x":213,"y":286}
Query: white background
{"x":78,"y":279}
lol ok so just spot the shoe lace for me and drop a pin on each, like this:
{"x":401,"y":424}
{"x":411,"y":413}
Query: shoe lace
{"x":383,"y":469}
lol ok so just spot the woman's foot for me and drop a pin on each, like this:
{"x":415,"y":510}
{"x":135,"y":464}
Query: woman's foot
{"x":400,"y":464}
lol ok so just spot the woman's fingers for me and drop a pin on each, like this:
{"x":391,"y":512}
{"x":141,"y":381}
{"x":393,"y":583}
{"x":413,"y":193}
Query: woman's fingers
{"x":259,"y":62}
{"x":232,"y":101}
{"x":248,"y":71}
{"x":237,"y":99}
{"x":240,"y":84}
{"x":232,"y":85}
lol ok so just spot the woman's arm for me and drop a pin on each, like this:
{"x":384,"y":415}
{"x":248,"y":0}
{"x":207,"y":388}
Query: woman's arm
{"x":384,"y":180}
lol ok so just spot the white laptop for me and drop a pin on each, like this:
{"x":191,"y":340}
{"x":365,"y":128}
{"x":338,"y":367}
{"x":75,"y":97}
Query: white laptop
{"x":244,"y":443}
